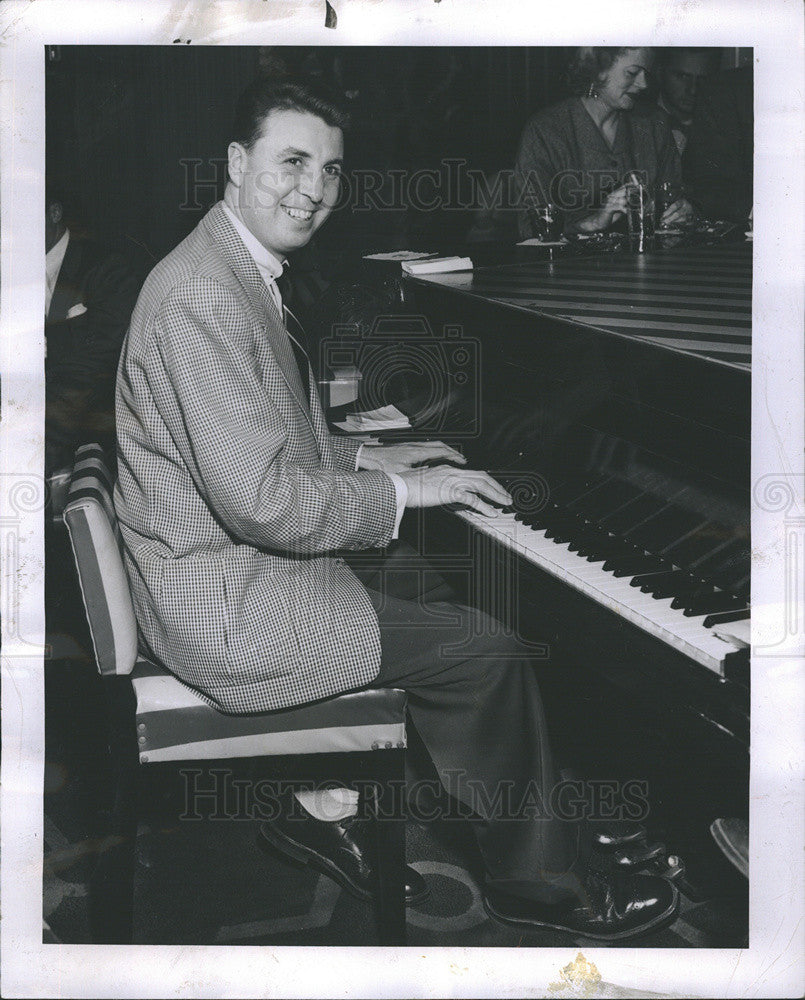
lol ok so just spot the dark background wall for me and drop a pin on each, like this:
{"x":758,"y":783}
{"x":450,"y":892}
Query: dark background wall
{"x":129,"y":126}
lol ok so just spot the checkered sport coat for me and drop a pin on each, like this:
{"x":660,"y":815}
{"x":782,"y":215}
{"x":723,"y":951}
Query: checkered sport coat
{"x":233,"y":497}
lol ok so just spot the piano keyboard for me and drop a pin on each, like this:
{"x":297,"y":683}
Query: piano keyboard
{"x":694,"y":635}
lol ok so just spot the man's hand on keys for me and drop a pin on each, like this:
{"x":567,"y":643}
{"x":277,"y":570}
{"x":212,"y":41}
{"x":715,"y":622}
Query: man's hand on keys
{"x":401,"y":457}
{"x":442,"y":484}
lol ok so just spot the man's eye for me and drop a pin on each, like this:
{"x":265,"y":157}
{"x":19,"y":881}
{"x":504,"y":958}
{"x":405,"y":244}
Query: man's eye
{"x":333,"y":170}
{"x":294,"y":161}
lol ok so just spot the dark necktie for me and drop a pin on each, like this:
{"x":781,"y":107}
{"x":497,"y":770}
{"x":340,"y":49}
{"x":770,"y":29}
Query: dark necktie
{"x":296,"y":333}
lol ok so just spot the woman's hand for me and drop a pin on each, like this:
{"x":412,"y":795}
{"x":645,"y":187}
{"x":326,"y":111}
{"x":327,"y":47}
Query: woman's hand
{"x":678,"y":213}
{"x":612,"y":209}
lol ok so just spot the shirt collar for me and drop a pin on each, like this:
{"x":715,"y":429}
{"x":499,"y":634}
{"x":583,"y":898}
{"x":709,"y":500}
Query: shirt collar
{"x":55,"y":256}
{"x":269,"y":266}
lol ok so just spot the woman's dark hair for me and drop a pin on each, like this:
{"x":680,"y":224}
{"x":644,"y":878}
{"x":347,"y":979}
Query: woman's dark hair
{"x":586,"y":64}
{"x":267,"y":94}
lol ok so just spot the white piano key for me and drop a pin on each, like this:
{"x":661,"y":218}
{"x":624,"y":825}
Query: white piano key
{"x":655,"y":616}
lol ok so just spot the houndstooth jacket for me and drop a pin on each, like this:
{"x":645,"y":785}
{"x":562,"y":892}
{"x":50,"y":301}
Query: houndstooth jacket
{"x":232,"y":496}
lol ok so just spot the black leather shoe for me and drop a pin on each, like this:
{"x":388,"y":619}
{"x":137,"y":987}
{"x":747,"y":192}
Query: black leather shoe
{"x":611,"y":835}
{"x":343,"y":850}
{"x":612,"y":910}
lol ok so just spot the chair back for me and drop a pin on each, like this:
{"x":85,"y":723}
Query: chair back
{"x":95,"y":538}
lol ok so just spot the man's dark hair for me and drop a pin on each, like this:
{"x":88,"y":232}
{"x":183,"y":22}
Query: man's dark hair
{"x":667,"y":55}
{"x":266,"y":95}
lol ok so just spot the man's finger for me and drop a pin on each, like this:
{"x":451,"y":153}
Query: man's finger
{"x":479,"y":506}
{"x":438,"y":449}
{"x":484,"y":484}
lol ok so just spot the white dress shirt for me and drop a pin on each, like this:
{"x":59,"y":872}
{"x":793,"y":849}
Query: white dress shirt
{"x":270,"y":268}
{"x":54,"y":259}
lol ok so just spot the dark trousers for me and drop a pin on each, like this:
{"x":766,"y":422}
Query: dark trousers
{"x":475,"y":703}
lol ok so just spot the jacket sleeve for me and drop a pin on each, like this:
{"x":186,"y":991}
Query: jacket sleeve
{"x":232,"y":438}
{"x":346,"y":451}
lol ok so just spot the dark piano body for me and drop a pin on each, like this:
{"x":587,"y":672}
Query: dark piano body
{"x":613,"y":396}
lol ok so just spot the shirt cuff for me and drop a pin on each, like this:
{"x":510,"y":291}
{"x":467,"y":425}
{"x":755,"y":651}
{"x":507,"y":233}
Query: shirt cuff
{"x":402,"y":496}
{"x":358,"y":459}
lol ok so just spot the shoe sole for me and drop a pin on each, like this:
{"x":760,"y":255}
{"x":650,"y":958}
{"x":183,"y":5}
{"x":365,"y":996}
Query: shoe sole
{"x":307,"y":856}
{"x":654,"y":924}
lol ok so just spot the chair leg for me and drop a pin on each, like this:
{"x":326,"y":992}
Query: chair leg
{"x":112,"y":884}
{"x":388,"y":767}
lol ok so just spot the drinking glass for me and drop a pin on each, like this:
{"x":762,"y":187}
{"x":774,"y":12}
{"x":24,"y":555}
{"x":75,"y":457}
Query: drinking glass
{"x":546,"y":222}
{"x":667,"y":193}
{"x":639,"y":217}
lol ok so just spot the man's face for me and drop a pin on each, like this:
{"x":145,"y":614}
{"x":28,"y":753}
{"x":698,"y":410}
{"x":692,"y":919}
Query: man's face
{"x":288,"y":183}
{"x":680,"y":81}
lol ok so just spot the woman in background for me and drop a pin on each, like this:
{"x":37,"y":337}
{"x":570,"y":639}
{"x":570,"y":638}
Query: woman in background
{"x":580,"y":154}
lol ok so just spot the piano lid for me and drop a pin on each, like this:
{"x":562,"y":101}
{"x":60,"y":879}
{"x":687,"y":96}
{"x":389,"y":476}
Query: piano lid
{"x":693,"y":300}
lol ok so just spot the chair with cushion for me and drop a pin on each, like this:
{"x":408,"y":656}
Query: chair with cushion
{"x":156,"y":719}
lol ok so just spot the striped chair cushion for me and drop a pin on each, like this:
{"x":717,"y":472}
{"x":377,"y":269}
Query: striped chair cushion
{"x":91,"y":477}
{"x":92,"y":526}
{"x":173,"y":723}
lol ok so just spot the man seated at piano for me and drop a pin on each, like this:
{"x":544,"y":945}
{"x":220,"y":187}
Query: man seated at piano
{"x":580,"y":154}
{"x":242,"y":517}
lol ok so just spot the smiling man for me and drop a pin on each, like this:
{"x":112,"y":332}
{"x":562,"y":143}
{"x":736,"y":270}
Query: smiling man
{"x":239,"y":510}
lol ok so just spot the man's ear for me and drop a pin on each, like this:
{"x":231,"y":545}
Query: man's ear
{"x":236,"y":163}
{"x":55,"y":212}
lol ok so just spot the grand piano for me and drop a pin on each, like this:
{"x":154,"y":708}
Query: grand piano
{"x":612,"y":397}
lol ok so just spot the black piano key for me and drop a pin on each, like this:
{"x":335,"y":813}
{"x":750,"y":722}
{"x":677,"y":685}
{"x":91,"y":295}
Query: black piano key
{"x":725,"y":617}
{"x":606,"y":550}
{"x":648,"y":577}
{"x":680,"y":588}
{"x":675,"y":584}
{"x":629,"y":565}
{"x":692,"y":595}
{"x":596,"y":548}
{"x":588,"y":538}
{"x":560,"y":533}
{"x":718,"y":601}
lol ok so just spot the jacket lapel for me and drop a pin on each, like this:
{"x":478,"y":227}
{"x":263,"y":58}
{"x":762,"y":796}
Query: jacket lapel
{"x":245,"y":270}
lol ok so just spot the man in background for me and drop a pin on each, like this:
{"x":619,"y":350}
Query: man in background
{"x":681,"y":74}
{"x":89,"y":295}
{"x":718,"y":163}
